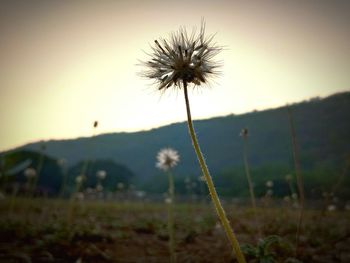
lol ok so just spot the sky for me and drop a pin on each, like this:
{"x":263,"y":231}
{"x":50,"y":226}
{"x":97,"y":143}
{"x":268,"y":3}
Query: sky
{"x":65,"y":64}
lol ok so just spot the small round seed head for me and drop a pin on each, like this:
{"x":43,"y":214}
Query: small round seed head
{"x":182,"y":59}
{"x":101,"y":174}
{"x":167,"y":158}
{"x":269,"y":184}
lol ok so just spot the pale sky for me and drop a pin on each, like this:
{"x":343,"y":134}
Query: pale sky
{"x":65,"y":64}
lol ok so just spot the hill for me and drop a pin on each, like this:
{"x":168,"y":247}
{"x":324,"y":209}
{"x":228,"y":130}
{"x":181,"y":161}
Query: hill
{"x":322,"y":128}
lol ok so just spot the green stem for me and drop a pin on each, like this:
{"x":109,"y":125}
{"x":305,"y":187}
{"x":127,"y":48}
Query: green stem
{"x":250,"y":183}
{"x":171,"y":218}
{"x":220,"y":211}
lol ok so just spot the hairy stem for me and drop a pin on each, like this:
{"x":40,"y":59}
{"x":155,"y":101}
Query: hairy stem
{"x":220,"y":211}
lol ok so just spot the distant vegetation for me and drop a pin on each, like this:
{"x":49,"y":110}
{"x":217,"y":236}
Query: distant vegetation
{"x":322,"y":127}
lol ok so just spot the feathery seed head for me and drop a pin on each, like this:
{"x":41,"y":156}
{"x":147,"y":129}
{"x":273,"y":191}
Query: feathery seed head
{"x":183,"y":59}
{"x":167,"y":158}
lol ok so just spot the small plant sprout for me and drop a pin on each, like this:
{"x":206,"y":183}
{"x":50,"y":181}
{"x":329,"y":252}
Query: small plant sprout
{"x":188,"y":61}
{"x":244,"y":135}
{"x":166,"y":159}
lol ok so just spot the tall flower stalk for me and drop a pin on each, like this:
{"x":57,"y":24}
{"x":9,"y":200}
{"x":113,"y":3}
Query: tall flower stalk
{"x":244,"y":135}
{"x":300,"y":183}
{"x":167,"y":159}
{"x":187,"y":61}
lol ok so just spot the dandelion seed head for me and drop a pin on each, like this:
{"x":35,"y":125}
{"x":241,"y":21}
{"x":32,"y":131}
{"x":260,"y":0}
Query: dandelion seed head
{"x":183,"y":59}
{"x":167,"y":158}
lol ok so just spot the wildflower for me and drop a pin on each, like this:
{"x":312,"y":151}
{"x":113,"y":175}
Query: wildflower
{"x":101,"y":174}
{"x":183,"y":59}
{"x":30,"y":173}
{"x":294,"y":196}
{"x":167,"y":158}
{"x":269,"y":184}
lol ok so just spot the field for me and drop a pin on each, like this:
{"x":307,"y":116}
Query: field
{"x":52,"y":230}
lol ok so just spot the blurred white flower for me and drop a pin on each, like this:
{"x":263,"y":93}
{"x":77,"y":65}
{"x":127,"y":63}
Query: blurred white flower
{"x":269,"y":184}
{"x":79,"y":179}
{"x":79,"y":196}
{"x":294,"y":196}
{"x":120,"y":186}
{"x":30,"y":173}
{"x":288,"y":177}
{"x":201,"y":178}
{"x":269,"y":192}
{"x":99,"y":188}
{"x":331,"y":208}
{"x":61,"y":162}
{"x":286,"y":199}
{"x":101,"y":174}
{"x":140,"y":194}
{"x":167,"y":158}
{"x":168,"y":200}
{"x":347,"y":207}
